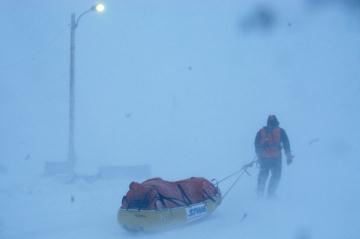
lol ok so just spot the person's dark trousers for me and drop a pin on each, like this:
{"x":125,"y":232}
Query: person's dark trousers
{"x":272,"y":167}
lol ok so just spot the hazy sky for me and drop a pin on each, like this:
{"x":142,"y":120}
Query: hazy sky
{"x":183,"y":73}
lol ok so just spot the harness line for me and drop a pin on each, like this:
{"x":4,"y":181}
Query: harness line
{"x":240,"y":172}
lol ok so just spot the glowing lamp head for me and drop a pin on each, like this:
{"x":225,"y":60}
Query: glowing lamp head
{"x":100,"y":7}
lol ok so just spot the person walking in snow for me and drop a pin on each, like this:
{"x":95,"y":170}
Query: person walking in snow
{"x":269,"y":141}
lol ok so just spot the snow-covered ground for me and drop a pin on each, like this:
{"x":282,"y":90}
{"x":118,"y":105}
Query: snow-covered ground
{"x":181,"y":86}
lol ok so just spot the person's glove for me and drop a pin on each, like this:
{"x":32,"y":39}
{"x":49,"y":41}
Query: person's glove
{"x":289,"y":158}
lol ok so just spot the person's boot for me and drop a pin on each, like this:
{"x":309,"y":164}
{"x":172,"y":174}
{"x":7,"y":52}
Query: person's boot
{"x":272,"y":196}
{"x":260,"y":192}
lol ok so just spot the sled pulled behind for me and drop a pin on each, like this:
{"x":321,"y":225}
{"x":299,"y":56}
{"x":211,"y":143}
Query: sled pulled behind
{"x":156,"y":204}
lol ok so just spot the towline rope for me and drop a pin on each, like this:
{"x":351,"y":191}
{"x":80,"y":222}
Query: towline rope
{"x":240,"y":172}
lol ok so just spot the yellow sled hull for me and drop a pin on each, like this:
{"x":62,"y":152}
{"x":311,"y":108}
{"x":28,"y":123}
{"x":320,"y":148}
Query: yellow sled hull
{"x":155,"y":220}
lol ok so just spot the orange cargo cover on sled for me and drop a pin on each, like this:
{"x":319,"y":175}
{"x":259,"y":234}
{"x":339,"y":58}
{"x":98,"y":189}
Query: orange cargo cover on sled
{"x":158,"y":204}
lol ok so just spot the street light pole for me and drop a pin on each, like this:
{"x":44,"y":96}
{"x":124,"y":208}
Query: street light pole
{"x":74,"y":22}
{"x":71,"y":141}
